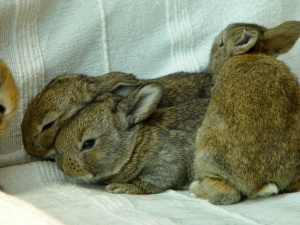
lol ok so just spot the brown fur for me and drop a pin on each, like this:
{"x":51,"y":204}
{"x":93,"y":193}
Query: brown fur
{"x":249,"y":138}
{"x":137,"y":149}
{"x":8,"y":98}
{"x":57,"y":102}
{"x":181,"y":87}
{"x":65,"y":95}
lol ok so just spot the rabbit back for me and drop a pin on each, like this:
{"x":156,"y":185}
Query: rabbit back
{"x":181,"y":87}
{"x":253,"y":131}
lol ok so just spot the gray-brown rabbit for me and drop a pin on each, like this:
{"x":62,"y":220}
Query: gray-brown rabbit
{"x":65,"y":95}
{"x":249,"y":141}
{"x":9,"y":96}
{"x":126,"y":142}
{"x":60,"y":100}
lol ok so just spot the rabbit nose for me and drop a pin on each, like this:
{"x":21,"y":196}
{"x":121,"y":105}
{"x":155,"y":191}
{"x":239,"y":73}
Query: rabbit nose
{"x":73,"y":168}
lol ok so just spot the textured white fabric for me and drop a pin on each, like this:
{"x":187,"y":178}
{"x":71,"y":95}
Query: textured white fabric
{"x":16,"y":212}
{"x":71,"y":202}
{"x":41,"y":39}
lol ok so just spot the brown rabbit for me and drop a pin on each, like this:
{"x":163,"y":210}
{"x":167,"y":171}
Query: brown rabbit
{"x":65,"y":95}
{"x":60,"y":100}
{"x":126,"y":142}
{"x":8,"y":98}
{"x":249,"y":141}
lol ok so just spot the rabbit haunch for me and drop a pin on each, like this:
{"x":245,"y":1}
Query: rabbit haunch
{"x":248,"y":144}
{"x":129,"y":143}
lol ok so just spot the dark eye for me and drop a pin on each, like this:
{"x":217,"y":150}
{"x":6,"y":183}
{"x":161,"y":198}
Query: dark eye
{"x":88,"y":144}
{"x":47,"y":126}
{"x":2,"y":109}
{"x":221,"y":44}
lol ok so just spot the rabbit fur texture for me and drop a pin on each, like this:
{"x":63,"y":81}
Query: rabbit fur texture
{"x":124,"y":140}
{"x":248,"y":143}
{"x":9,"y":97}
{"x":67,"y":94}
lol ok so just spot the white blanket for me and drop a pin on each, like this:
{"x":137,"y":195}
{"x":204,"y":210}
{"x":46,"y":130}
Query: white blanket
{"x":41,"y":39}
{"x":43,"y":185}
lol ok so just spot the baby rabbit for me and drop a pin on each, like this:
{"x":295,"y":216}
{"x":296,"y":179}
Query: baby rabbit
{"x":126,"y":142}
{"x":58,"y":101}
{"x":8,"y":98}
{"x":249,"y":141}
{"x":65,"y":95}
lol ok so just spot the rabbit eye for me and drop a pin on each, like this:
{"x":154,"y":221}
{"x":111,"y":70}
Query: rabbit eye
{"x":88,"y":144}
{"x":2,"y":109}
{"x":47,"y":126}
{"x":221,"y":44}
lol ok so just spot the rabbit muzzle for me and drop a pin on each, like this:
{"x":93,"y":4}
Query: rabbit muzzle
{"x":73,"y":168}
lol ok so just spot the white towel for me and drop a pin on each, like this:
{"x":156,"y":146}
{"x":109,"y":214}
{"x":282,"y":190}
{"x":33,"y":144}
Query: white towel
{"x":16,"y":212}
{"x":75,"y":203}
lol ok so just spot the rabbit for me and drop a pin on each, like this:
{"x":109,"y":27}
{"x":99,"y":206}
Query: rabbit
{"x":58,"y":101}
{"x":248,"y":145}
{"x":129,"y":143}
{"x":65,"y":95}
{"x":9,"y":97}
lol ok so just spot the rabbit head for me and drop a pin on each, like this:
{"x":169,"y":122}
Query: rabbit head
{"x":243,"y":38}
{"x":99,"y":140}
{"x":60,"y":100}
{"x":8,"y":98}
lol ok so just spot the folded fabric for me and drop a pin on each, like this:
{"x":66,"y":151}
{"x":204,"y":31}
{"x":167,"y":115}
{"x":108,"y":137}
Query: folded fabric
{"x":73,"y":202}
{"x":15,"y":211}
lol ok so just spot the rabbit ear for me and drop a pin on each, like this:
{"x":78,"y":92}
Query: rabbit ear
{"x":114,"y":82}
{"x":247,"y":41}
{"x":281,"y":39}
{"x":124,"y":89}
{"x":141,"y":103}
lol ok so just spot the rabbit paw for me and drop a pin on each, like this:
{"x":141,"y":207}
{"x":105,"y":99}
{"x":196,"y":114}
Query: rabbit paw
{"x":216,"y":191}
{"x":123,"y":188}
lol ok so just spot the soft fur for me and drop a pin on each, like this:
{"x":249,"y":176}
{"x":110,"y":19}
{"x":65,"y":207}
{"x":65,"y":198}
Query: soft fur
{"x":249,"y":142}
{"x":126,"y":142}
{"x":65,"y":95}
{"x":8,"y":98}
{"x":57,"y":102}
{"x":181,"y":87}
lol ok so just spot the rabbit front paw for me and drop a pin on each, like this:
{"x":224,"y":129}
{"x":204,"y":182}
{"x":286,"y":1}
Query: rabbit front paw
{"x":123,"y":188}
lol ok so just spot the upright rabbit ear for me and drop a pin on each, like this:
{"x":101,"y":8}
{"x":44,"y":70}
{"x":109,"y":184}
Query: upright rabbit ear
{"x":141,"y":103}
{"x":247,"y":40}
{"x":281,"y":39}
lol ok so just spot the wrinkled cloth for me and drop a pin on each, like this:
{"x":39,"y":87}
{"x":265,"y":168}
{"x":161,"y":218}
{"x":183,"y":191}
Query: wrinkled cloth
{"x":41,"y":39}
